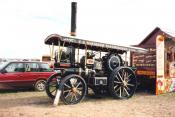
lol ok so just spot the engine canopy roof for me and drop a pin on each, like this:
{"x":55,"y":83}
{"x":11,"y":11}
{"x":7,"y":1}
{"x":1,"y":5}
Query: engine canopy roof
{"x":55,"y":39}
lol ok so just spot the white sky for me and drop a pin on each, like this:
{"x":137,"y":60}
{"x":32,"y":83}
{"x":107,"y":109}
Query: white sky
{"x":24,"y":24}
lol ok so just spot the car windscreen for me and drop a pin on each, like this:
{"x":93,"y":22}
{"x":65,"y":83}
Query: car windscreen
{"x":3,"y":64}
{"x":44,"y":67}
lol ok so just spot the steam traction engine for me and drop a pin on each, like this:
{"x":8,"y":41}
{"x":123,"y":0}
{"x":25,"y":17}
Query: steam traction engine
{"x":100,"y":68}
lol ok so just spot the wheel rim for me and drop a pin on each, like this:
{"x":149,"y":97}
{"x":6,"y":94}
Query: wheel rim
{"x":41,"y":85}
{"x":73,"y":90}
{"x":52,"y":85}
{"x":124,"y":83}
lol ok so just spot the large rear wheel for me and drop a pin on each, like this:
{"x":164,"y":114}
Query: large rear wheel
{"x":73,"y":89}
{"x":122,"y":83}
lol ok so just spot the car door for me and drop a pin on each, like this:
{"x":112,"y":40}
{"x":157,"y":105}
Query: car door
{"x":13,"y":74}
{"x":31,"y":73}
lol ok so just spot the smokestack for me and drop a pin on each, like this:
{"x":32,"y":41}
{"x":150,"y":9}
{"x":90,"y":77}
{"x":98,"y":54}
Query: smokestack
{"x":73,"y":18}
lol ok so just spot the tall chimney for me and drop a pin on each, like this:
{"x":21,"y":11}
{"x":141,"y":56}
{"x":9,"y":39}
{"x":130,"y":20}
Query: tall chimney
{"x":73,"y":31}
{"x":73,"y":18}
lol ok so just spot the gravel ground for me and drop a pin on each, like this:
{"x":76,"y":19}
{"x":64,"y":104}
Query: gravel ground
{"x":37,"y":104}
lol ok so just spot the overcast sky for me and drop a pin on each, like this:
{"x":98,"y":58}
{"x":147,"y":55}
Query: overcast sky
{"x":24,"y":24}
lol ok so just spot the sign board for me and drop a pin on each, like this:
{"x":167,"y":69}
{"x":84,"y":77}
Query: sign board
{"x":145,"y":63}
{"x":160,"y":68}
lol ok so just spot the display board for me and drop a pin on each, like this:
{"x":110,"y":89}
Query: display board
{"x":145,"y":63}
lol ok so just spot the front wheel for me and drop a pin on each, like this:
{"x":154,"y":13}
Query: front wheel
{"x":73,"y":89}
{"x":52,"y":85}
{"x":122,"y":83}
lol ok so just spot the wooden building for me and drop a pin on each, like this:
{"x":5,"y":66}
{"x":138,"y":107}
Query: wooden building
{"x":156,"y":69}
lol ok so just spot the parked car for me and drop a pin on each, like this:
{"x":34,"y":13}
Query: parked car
{"x":24,"y":74}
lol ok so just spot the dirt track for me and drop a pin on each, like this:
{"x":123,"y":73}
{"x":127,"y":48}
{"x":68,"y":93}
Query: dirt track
{"x":37,"y":104}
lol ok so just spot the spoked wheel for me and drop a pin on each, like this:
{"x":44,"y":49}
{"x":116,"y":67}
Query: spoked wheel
{"x":73,"y":89}
{"x":52,"y":85}
{"x":122,"y":83}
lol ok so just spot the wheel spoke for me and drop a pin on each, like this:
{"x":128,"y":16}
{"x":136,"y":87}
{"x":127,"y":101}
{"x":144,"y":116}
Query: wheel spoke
{"x":127,"y":87}
{"x":120,"y":77}
{"x":53,"y":90}
{"x":68,"y":95}
{"x":72,"y":97}
{"x":79,"y":92}
{"x":117,"y":82}
{"x":75,"y":81}
{"x":128,"y":79}
{"x":130,"y":85}
{"x":117,"y":77}
{"x":123,"y":73}
{"x":66,"y":91}
{"x":80,"y":88}
{"x":115,"y":87}
{"x":67,"y":86}
{"x":117,"y":90}
{"x":78,"y":84}
{"x":75,"y":97}
{"x":129,"y":75}
{"x":126,"y":91}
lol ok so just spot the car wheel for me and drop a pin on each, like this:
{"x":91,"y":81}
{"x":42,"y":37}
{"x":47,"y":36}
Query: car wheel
{"x":40,"y":85}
